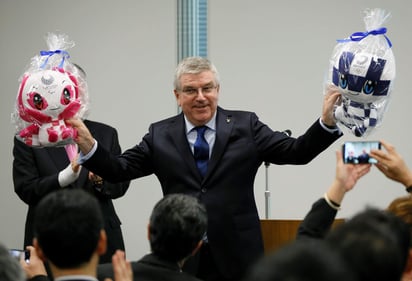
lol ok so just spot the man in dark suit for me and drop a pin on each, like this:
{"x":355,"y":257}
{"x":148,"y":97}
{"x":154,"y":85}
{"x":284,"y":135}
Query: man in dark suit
{"x":177,"y":225}
{"x":237,"y":144}
{"x":40,"y":171}
{"x":70,"y":237}
{"x":364,"y":157}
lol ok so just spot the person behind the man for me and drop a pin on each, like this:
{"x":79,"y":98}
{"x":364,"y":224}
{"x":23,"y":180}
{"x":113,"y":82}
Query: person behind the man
{"x":175,"y":231}
{"x":302,"y":261}
{"x":369,"y":261}
{"x":38,"y":172}
{"x":213,"y":154}
{"x":70,"y":236}
{"x":363,"y":158}
{"x":374,"y":243}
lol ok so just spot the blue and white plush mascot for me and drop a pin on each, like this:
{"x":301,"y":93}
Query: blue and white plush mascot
{"x":363,"y":68}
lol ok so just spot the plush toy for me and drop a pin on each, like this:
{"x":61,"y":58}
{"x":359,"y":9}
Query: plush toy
{"x":45,"y":99}
{"x":51,"y":90}
{"x":363,"y":69}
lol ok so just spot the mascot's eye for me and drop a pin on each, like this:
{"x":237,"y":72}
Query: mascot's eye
{"x":343,"y":81}
{"x":38,"y":101}
{"x":66,"y":97}
{"x":369,"y":87}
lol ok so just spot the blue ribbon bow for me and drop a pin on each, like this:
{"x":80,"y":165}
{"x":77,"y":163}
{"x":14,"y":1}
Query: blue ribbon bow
{"x":64,"y":54}
{"x":358,"y":36}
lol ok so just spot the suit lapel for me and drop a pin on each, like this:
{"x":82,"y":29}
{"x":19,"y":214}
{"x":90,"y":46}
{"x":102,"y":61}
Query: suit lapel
{"x":177,"y":132}
{"x":224,"y":125}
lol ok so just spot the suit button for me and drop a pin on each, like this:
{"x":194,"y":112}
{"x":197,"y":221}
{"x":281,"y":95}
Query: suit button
{"x":204,"y":190}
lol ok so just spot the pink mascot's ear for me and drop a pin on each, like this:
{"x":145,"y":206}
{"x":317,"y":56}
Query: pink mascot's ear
{"x":22,"y":110}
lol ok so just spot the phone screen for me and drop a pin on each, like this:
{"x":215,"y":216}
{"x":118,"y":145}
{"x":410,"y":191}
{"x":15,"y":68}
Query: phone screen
{"x":357,"y":152}
{"x":18,"y":253}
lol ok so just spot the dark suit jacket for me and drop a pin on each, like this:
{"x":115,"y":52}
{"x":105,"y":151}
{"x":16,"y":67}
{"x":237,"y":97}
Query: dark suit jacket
{"x":242,"y":144}
{"x":363,"y":158}
{"x":149,"y":268}
{"x":35,"y":174}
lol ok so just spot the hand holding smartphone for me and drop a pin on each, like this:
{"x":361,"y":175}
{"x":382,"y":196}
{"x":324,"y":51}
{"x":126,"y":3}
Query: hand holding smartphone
{"x":357,"y":152}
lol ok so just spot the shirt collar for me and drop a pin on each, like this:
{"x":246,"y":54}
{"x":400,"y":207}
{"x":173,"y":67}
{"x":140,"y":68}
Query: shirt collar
{"x":211,"y":124}
{"x":76,"y":277}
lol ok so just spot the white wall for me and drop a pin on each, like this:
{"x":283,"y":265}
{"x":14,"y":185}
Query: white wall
{"x":128,"y":50}
{"x":272,"y":56}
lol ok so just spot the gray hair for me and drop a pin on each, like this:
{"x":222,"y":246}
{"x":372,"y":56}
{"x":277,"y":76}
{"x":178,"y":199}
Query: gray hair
{"x":194,"y":65}
{"x":10,"y":268}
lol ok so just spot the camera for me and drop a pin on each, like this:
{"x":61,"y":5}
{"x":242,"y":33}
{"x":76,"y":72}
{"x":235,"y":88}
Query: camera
{"x":357,"y":152}
{"x":16,"y":253}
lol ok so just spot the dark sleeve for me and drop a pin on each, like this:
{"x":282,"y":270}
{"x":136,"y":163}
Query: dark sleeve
{"x":133,"y":163}
{"x":318,"y":221}
{"x":277,"y":148}
{"x":105,"y":270}
{"x":39,"y":278}
{"x":29,"y":185}
{"x":114,"y":190}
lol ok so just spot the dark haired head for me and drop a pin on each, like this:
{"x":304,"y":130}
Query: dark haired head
{"x":68,"y":225}
{"x":177,"y":225}
{"x":301,"y":260}
{"x":402,"y":208}
{"x":375,"y":243}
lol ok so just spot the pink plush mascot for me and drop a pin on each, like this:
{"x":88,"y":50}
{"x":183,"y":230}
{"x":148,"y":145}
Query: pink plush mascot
{"x":45,"y":99}
{"x":50,"y":92}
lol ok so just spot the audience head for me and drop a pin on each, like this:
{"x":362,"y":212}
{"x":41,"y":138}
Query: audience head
{"x":69,"y":229}
{"x":374,"y":243}
{"x":402,"y":208}
{"x":301,"y":260}
{"x":10,"y":269}
{"x":176,"y":228}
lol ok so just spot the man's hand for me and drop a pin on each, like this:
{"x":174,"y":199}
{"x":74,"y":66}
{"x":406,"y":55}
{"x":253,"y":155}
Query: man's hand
{"x":391,"y":164}
{"x":75,"y":166}
{"x":97,"y":180}
{"x":347,"y":175}
{"x":122,"y":268}
{"x":84,"y":138}
{"x":331,"y":96}
{"x":34,"y":266}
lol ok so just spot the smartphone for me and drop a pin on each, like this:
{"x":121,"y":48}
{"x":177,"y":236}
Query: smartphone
{"x":18,"y":253}
{"x":357,"y":152}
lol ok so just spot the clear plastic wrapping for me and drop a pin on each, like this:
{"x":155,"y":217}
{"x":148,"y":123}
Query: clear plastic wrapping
{"x":51,"y":90}
{"x":362,"y":67}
